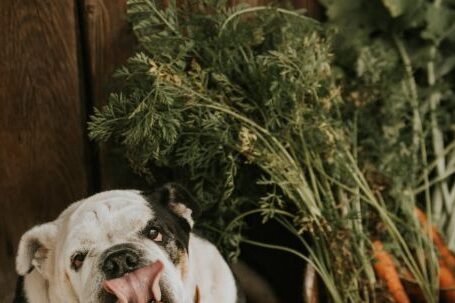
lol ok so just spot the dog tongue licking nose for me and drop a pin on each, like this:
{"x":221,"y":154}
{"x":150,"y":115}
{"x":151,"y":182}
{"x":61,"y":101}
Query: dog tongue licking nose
{"x":139,"y":286}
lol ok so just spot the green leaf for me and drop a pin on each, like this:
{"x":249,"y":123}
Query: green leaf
{"x":397,"y":7}
{"x":440,"y":24}
{"x":445,"y":66}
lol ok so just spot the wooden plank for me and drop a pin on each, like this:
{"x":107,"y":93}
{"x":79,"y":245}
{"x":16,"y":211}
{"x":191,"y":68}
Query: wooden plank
{"x":43,"y":155}
{"x":312,"y":6}
{"x":109,"y":42}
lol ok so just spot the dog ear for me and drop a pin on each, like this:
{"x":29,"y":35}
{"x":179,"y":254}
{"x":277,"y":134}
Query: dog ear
{"x":179,"y":201}
{"x":34,"y":247}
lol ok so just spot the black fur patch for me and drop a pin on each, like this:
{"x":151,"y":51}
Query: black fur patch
{"x":175,"y":229}
{"x":19,"y":296}
{"x":176,"y":193}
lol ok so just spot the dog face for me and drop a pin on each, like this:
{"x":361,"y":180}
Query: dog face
{"x":104,"y":237}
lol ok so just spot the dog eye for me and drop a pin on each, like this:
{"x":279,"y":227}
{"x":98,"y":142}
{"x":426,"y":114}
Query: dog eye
{"x":155,"y":235}
{"x":77,"y":260}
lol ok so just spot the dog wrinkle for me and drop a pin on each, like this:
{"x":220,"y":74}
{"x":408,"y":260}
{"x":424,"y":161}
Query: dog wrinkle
{"x":96,"y":215}
{"x":71,"y":287}
{"x":86,"y":242}
{"x":91,"y":254}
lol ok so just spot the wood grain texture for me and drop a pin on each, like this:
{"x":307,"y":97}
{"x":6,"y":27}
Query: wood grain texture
{"x":43,"y":163}
{"x":314,"y":9}
{"x":108,"y":41}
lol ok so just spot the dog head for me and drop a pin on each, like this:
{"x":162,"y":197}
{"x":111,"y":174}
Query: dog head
{"x":106,"y":237}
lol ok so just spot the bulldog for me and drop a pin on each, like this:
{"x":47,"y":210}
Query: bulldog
{"x":123,"y":246}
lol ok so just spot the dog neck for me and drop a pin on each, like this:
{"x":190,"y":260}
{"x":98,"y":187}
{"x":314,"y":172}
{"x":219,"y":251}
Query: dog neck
{"x":209,"y":275}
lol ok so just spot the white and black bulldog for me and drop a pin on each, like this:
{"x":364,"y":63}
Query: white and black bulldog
{"x":123,"y":246}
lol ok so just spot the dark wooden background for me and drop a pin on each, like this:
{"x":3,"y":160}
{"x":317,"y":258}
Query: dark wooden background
{"x":56,"y":59}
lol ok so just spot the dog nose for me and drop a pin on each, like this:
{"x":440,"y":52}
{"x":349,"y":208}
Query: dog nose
{"x":119,"y":262}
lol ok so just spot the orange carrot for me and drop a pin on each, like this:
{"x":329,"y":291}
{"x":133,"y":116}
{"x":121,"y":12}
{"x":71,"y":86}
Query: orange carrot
{"x":446,"y":283}
{"x":445,"y":254}
{"x":387,"y":272}
{"x":446,"y":261}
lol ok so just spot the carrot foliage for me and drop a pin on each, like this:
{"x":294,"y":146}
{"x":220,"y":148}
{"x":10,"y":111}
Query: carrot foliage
{"x":265,"y":112}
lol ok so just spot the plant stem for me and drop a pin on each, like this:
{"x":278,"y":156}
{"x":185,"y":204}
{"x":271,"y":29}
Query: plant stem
{"x":331,"y":288}
{"x":263,"y":8}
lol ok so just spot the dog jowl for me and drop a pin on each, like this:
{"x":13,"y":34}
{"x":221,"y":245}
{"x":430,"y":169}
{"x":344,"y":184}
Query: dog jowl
{"x":123,"y":246}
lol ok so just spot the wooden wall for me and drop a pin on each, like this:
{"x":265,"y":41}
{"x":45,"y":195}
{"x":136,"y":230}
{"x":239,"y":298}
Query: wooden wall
{"x":57,"y":57}
{"x":44,"y":155}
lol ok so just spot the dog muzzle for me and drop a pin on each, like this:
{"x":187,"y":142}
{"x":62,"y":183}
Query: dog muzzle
{"x":138,"y":286}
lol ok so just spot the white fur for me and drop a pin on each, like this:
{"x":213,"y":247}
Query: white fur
{"x":33,"y":247}
{"x":36,"y":287}
{"x":210,"y":273}
{"x":96,"y":224}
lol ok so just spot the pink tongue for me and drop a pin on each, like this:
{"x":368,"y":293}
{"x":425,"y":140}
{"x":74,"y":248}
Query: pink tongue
{"x":139,"y":286}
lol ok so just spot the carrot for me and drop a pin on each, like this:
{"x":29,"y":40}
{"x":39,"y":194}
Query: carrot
{"x":446,"y":261}
{"x":446,"y":282}
{"x":387,"y":272}
{"x":445,"y":254}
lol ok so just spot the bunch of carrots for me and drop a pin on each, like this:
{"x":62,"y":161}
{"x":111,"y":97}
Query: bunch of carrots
{"x":386,"y":269}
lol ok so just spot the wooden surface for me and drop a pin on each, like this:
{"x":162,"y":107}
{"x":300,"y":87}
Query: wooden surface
{"x":43,"y":159}
{"x":312,"y":7}
{"x":108,"y":43}
{"x":56,"y":62}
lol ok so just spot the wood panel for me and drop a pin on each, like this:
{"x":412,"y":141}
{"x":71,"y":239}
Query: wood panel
{"x":312,"y":7}
{"x":43,"y":155}
{"x":108,"y":42}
